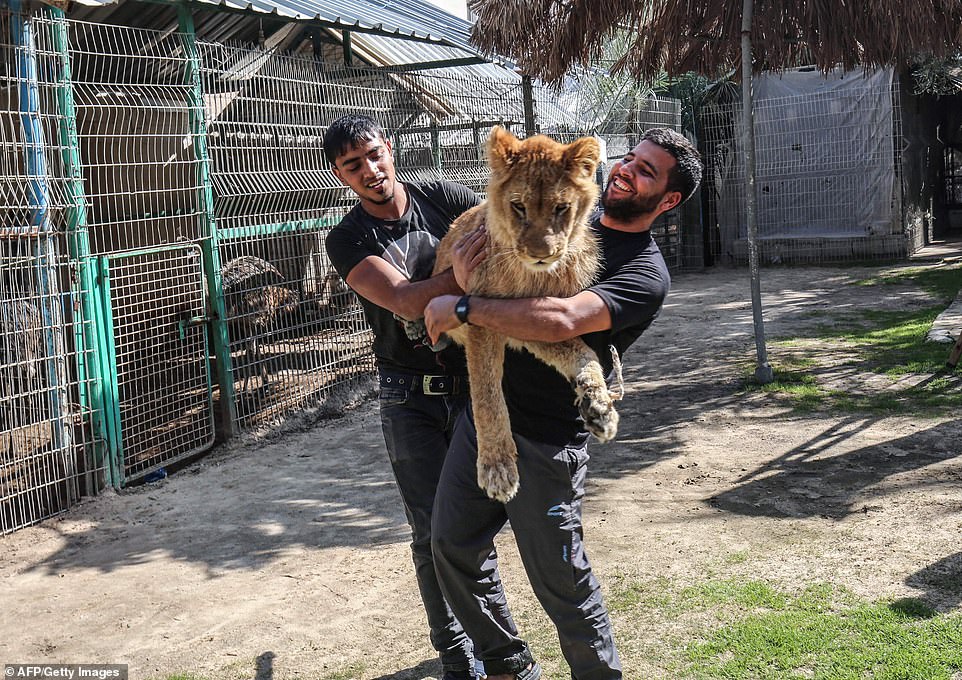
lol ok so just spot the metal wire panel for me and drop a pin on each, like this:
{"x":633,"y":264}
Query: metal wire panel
{"x":142,"y":183}
{"x":133,"y":119}
{"x":816,"y":155}
{"x":160,"y":348}
{"x":296,"y":331}
{"x":267,"y":115}
{"x":46,"y":444}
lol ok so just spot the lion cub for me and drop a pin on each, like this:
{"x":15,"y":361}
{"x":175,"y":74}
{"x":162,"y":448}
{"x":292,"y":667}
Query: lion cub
{"x":540,"y":196}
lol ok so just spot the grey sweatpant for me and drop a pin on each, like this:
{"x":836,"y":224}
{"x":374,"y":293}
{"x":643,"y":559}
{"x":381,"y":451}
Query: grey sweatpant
{"x":546,"y":519}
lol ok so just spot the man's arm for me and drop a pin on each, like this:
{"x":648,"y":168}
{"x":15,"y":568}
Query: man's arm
{"x":547,"y":319}
{"x":377,"y":280}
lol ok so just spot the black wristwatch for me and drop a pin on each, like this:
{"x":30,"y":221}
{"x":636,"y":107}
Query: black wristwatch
{"x":462,"y":307}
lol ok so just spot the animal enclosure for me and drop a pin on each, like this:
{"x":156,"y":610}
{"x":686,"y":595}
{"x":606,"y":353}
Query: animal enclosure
{"x":165,"y":200}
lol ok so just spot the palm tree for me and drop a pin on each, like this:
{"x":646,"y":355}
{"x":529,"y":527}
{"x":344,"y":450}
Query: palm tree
{"x":548,"y":37}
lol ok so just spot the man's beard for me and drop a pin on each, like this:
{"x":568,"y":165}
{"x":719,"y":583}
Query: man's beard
{"x":630,"y":208}
{"x":383,"y":201}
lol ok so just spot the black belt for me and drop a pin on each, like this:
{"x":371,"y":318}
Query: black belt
{"x":437,"y":385}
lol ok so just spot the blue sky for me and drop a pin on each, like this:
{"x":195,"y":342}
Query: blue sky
{"x":455,"y":7}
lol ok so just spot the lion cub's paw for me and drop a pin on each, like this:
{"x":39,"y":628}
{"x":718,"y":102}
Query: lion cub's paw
{"x":498,"y":478}
{"x":600,"y":416}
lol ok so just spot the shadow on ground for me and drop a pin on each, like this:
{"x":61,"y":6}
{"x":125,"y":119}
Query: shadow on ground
{"x":941,"y":581}
{"x":330,"y":485}
{"x":812,"y":480}
{"x":425,"y":669}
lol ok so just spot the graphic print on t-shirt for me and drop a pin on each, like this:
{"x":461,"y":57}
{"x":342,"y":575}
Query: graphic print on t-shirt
{"x":413,"y":254}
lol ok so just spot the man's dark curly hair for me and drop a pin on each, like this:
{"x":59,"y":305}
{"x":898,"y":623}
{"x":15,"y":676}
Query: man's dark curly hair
{"x":686,"y":175}
{"x":349,"y":131}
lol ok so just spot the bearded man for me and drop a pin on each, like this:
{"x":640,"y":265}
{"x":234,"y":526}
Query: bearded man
{"x":661,"y":172}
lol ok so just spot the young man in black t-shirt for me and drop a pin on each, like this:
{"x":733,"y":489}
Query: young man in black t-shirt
{"x":384,"y":249}
{"x":656,"y":176}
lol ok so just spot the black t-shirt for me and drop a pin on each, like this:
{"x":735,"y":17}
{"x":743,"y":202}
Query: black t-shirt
{"x":409,"y":244}
{"x":633,"y":283}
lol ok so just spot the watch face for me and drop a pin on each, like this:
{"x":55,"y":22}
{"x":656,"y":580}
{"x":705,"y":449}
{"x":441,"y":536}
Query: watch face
{"x":461,"y":309}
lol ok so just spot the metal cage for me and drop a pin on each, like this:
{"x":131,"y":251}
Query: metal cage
{"x":163,"y":277}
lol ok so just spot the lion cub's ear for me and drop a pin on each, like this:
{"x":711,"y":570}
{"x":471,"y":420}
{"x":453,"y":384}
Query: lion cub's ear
{"x":583,"y":155}
{"x":502,"y":149}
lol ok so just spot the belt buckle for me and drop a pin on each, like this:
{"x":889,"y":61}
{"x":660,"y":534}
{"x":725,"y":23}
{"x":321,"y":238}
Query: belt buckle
{"x":426,"y":387}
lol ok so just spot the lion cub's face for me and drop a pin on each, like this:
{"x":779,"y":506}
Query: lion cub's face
{"x":541,"y":193}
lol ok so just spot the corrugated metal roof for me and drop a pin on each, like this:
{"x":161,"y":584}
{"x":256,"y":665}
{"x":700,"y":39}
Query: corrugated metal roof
{"x":384,"y":51}
{"x":487,"y":79}
{"x":407,"y":19}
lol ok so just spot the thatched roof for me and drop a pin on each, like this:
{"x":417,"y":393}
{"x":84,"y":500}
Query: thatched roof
{"x":548,"y":37}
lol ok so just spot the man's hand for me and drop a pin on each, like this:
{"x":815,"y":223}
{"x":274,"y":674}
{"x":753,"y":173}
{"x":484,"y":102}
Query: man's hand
{"x":439,"y":316}
{"x":468,"y":252}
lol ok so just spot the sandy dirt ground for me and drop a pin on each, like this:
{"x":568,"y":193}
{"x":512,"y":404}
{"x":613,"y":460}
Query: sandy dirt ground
{"x":285,"y":556}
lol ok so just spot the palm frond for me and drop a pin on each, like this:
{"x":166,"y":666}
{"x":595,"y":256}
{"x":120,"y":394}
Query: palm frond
{"x":548,"y":37}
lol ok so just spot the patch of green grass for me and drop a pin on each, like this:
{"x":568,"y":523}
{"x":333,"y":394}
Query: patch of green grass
{"x":801,"y":390}
{"x":742,"y":594}
{"x":942,"y":282}
{"x":800,"y":387}
{"x":352,"y":672}
{"x":826,"y":633}
{"x":626,"y":594}
{"x":894,"y":342}
{"x":886,"y":343}
{"x":737,"y":557}
{"x":880,"y":402}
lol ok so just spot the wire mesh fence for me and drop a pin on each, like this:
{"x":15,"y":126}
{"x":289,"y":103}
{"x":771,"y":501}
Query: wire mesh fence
{"x":159,"y":345}
{"x":828,"y":176}
{"x":48,"y":452}
{"x":145,"y":219}
{"x":164,"y":208}
{"x":132,"y":97}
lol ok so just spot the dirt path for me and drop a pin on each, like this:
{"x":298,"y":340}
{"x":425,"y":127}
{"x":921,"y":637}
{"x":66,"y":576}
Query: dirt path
{"x":286,"y":557}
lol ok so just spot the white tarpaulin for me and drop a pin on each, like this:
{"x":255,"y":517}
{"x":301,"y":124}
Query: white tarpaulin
{"x":825,"y":157}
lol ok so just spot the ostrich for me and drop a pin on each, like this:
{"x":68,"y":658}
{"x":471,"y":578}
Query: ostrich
{"x":254,"y":297}
{"x":21,"y":355}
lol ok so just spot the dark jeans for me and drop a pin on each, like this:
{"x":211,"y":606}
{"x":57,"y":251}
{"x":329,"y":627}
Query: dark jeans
{"x":417,"y":430}
{"x":546,"y":519}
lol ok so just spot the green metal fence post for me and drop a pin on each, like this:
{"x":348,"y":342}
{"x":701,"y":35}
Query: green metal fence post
{"x":87,"y":330}
{"x":209,"y":245}
{"x":107,"y":352}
